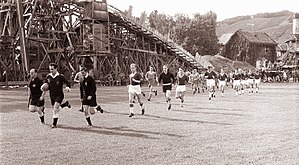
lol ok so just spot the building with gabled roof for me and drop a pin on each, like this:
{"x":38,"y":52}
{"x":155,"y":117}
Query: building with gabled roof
{"x":255,"y":48}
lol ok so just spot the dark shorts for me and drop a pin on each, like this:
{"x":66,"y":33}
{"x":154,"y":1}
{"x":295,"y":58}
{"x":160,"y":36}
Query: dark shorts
{"x":57,"y":99}
{"x":91,"y":103}
{"x":37,"y":102}
{"x":166,"y":87}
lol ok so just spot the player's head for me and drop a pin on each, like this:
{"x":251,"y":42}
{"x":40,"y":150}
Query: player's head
{"x":133,"y":67}
{"x":33,"y":73}
{"x":181,"y":71}
{"x":210,"y":68}
{"x":151,"y":68}
{"x":84,"y":71}
{"x":53,"y":68}
{"x":221,"y":71}
{"x":165,"y":68}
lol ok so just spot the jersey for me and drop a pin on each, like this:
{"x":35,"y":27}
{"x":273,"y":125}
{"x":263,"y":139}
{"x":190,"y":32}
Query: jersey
{"x":237,"y":77}
{"x":89,"y":86}
{"x":210,"y":75}
{"x":34,"y":86}
{"x":56,"y":84}
{"x":181,"y":80}
{"x":222,"y":77}
{"x":135,"y":76}
{"x":194,"y":78}
{"x":166,"y":79}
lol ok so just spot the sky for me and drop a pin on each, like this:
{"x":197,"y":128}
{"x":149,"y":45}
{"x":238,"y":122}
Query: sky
{"x":223,"y":8}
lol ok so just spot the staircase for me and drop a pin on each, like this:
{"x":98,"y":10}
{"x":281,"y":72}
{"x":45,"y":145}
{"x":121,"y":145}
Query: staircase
{"x":171,"y":45}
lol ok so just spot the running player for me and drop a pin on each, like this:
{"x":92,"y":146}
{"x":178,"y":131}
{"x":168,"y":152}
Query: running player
{"x":151,"y":77}
{"x":237,"y":82}
{"x":56,"y":81}
{"x":242,"y":80}
{"x":36,"y":95}
{"x":257,"y":80}
{"x":222,"y":81}
{"x":89,"y":100}
{"x":194,"y":80}
{"x":135,"y":90}
{"x":250,"y":81}
{"x":182,"y":79}
{"x":210,"y":76}
{"x":167,"y":80}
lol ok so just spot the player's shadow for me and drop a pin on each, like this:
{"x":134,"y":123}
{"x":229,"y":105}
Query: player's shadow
{"x":210,"y":113}
{"x":188,"y":121}
{"x":119,"y":131}
{"x":100,"y":130}
{"x":173,"y":119}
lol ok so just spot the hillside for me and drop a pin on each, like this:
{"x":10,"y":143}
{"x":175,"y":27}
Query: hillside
{"x":277,"y":25}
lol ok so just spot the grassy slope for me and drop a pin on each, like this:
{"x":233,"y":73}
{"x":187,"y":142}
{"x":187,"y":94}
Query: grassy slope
{"x":279,"y":26}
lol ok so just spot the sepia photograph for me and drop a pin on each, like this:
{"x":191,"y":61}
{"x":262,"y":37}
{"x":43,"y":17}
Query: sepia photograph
{"x":160,"y":82}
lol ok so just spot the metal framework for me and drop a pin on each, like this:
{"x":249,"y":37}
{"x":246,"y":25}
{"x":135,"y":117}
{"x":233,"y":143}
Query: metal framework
{"x":35,"y":33}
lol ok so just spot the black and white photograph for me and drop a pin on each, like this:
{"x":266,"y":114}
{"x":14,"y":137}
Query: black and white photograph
{"x":138,"y":82}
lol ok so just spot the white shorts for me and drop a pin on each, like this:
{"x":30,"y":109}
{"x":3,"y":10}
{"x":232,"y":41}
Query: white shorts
{"x":236,"y":83}
{"x":243,"y":82}
{"x":135,"y":89}
{"x":221,"y":83}
{"x":180,"y":88}
{"x":250,"y":81}
{"x":210,"y":82}
{"x":257,"y":81}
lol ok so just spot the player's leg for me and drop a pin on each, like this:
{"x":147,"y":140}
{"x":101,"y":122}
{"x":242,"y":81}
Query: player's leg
{"x":56,"y":102}
{"x":87,"y":114}
{"x":151,"y":92}
{"x":131,"y":104}
{"x":141,"y":104}
{"x":167,"y":94}
{"x":182,"y":95}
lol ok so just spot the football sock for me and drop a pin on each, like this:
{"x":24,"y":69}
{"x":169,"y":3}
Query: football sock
{"x":55,"y":121}
{"x":88,"y":121}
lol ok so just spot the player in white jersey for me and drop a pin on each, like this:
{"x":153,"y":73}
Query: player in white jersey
{"x":194,"y":80}
{"x":151,"y":77}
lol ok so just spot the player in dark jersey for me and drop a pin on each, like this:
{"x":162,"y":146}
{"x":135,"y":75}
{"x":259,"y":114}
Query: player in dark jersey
{"x":222,"y":78}
{"x":210,"y":77}
{"x":36,"y":95}
{"x":89,"y":100}
{"x":182,"y":80}
{"x":56,"y":81}
{"x":167,"y":80}
{"x":250,"y":81}
{"x":134,"y":89}
{"x":237,"y":82}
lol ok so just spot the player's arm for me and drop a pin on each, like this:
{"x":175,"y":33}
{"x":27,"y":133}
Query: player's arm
{"x":68,"y":84}
{"x":76,"y":78}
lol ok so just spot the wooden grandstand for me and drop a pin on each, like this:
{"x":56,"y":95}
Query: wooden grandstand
{"x":35,"y":33}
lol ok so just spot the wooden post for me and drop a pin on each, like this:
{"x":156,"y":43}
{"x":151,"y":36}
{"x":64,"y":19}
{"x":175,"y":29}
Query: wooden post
{"x":22,"y":37}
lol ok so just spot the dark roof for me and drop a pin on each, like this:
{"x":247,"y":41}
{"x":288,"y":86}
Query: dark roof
{"x":257,"y":37}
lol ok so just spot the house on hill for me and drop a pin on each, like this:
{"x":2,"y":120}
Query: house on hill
{"x":255,"y":48}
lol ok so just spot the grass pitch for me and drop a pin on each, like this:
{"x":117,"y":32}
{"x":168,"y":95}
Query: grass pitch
{"x":258,"y":128}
